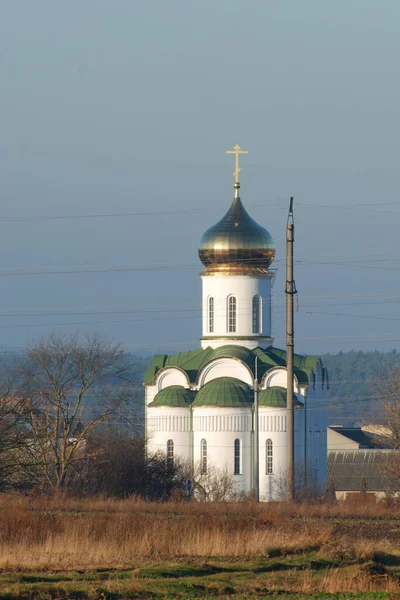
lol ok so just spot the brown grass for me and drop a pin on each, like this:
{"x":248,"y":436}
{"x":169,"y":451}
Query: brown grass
{"x":67,"y":533}
{"x":353,"y":580}
{"x":356,"y":506}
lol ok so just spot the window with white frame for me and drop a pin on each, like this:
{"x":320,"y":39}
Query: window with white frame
{"x":269,"y":457}
{"x":211,"y":315}
{"x":256,"y":314}
{"x":170,"y":452}
{"x":231,"y":324}
{"x":237,"y":458}
{"x":203,"y":457}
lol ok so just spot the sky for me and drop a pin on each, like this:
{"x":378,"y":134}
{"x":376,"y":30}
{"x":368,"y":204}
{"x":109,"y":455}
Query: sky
{"x":115,"y":118}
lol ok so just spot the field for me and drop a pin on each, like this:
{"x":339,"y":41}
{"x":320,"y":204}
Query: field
{"x":99,"y":548}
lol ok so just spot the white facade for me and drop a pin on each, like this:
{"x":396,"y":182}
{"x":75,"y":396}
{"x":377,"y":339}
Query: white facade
{"x":252,"y":306}
{"x":164,"y":424}
{"x":220,"y":426}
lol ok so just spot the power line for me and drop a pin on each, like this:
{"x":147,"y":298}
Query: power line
{"x":161,"y":213}
{"x":32,"y":271}
{"x":198,"y":311}
{"x":352,"y":316}
{"x":166,"y":307}
{"x":371,"y":207}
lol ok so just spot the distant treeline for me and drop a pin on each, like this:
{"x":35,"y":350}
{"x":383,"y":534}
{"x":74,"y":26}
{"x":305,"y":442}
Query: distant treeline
{"x":354,"y":381}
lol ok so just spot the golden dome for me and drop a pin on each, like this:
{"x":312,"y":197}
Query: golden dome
{"x":236,"y":244}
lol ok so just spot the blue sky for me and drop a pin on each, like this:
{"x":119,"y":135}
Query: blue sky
{"x":128,"y":107}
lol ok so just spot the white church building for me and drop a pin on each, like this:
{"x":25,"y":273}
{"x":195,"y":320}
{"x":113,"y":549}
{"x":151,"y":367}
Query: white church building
{"x":200,"y":403}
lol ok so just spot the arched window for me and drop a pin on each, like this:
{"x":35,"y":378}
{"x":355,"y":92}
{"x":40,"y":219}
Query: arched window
{"x":238,"y":458}
{"x":211,"y":314}
{"x":269,"y":457}
{"x":170,"y":453}
{"x":256,"y":312}
{"x":203,"y":457}
{"x":231,"y":314}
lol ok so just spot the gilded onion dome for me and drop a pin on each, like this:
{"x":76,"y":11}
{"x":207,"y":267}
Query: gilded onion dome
{"x":236,"y":244}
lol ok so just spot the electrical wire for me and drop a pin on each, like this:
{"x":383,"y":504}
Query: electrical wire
{"x":190,"y":211}
{"x":31,"y":271}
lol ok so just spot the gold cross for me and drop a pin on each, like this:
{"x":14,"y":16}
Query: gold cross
{"x":237,"y":150}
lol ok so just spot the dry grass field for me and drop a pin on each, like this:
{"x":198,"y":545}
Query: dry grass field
{"x":100,"y":548}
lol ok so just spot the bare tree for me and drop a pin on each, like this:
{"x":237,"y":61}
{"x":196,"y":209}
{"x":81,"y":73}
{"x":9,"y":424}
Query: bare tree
{"x":72,"y":388}
{"x":392,"y":425}
{"x":388,"y":387}
{"x":212,"y":484}
{"x":305,"y":484}
{"x":14,"y":411}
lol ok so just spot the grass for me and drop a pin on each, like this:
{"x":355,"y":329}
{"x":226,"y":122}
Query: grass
{"x":214,"y":579}
{"x":100,"y":548}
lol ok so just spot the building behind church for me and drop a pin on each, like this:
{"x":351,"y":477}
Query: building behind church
{"x":200,"y":403}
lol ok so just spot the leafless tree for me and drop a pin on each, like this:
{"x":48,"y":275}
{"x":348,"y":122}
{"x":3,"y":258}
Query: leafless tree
{"x":388,"y":387}
{"x":305,"y":484}
{"x":392,"y":425}
{"x":14,"y":411}
{"x":212,"y":484}
{"x":72,"y":389}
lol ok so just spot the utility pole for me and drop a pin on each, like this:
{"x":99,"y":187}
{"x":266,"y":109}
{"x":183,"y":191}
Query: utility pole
{"x":290,"y":292}
{"x":256,"y":449}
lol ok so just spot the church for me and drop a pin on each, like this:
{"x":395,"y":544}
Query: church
{"x":200,"y":404}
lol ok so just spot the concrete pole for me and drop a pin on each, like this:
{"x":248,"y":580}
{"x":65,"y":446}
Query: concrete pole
{"x":290,"y":291}
{"x":256,"y":436}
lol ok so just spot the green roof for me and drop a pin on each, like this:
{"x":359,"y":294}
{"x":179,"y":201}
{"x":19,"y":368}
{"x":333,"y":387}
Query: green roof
{"x":174,"y":395}
{"x":224,"y":391}
{"x":192,"y":361}
{"x":275,"y":396}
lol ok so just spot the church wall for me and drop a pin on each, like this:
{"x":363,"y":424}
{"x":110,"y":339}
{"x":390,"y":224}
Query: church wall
{"x":243,"y":288}
{"x":220,"y":427}
{"x":310,"y":428}
{"x":169,"y":423}
{"x":316,"y":434}
{"x":272,"y":426}
{"x":150,"y":393}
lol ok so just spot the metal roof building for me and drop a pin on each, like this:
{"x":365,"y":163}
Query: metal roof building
{"x":361,"y":470}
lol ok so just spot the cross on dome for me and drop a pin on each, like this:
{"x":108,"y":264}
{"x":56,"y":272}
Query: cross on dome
{"x":237,"y":151}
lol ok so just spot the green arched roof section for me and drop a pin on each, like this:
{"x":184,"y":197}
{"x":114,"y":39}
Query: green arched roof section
{"x":300,"y":361}
{"x":232,"y":351}
{"x":224,"y":391}
{"x":193,"y":361}
{"x":174,"y":395}
{"x":275,"y":397}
